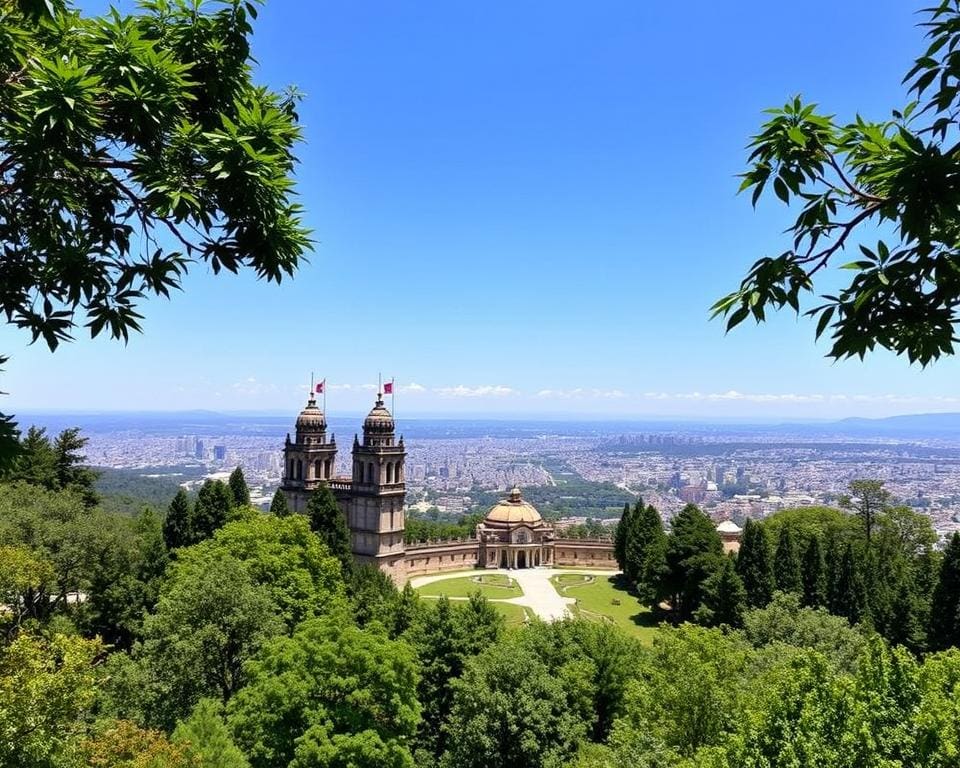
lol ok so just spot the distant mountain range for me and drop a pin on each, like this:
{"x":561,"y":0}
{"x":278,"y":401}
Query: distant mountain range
{"x":925,"y":423}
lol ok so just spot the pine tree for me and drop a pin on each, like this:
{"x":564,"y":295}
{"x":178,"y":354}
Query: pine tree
{"x":944,"y":628}
{"x":755,"y":564}
{"x":724,"y":597}
{"x":238,"y":488}
{"x":620,"y":539}
{"x":68,"y":464}
{"x":786,"y":563}
{"x":177,"y":528}
{"x":212,"y":509}
{"x":814,"y":575}
{"x":328,"y":522}
{"x":279,"y":506}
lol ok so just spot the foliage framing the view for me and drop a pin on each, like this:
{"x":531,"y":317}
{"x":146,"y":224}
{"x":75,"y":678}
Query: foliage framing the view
{"x":900,"y":175}
{"x":131,"y":147}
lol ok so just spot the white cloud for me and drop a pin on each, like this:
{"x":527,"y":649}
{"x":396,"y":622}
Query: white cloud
{"x":580,"y":392}
{"x":481,"y":391}
{"x":252,"y":387}
{"x":339,"y":387}
{"x":412,"y":387}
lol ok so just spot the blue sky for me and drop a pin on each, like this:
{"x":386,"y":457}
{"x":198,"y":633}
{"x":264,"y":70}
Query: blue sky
{"x":522,"y":207}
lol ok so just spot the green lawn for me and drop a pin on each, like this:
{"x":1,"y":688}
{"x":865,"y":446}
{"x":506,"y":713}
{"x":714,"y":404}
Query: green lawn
{"x":598,"y":598}
{"x":493,"y":585}
{"x":514,"y":614}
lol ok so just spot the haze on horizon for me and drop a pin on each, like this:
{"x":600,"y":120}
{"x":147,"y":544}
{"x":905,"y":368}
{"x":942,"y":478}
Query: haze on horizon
{"x":526,"y":212}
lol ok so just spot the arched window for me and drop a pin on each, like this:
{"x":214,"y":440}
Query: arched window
{"x":398,"y":472}
{"x":318,"y":469}
{"x":370,"y":472}
{"x":290,"y":473}
{"x":389,"y":471}
{"x":327,"y":469}
{"x":299,"y":469}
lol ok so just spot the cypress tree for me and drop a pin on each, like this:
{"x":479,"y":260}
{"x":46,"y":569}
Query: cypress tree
{"x":646,"y":549}
{"x":329,"y":523}
{"x":694,"y":549}
{"x":833,"y":560}
{"x":946,"y":599}
{"x":279,"y":506}
{"x":905,"y":628}
{"x":238,"y":488}
{"x":850,"y":588}
{"x":786,"y":563}
{"x":755,"y":564}
{"x":814,"y":575}
{"x":620,"y":538}
{"x":724,"y":597}
{"x":212,"y":509}
{"x":177,"y":529}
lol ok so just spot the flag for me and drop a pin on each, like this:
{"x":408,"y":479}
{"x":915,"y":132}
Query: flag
{"x":320,"y":387}
{"x":388,"y":388}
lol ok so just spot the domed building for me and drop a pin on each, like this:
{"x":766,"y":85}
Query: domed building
{"x":372,"y":498}
{"x":514,"y":535}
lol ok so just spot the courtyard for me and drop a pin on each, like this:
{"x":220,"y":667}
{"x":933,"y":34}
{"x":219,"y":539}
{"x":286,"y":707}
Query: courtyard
{"x":546,"y":593}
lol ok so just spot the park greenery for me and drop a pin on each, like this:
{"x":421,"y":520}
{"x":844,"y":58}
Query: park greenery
{"x":848,"y":179}
{"x":214,"y":635}
{"x":219,"y":635}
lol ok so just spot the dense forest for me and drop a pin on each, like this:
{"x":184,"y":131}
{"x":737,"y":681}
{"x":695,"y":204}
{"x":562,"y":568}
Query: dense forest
{"x":217,"y":635}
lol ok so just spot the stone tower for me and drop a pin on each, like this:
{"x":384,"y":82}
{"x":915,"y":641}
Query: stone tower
{"x":375,"y":503}
{"x":308,"y":460}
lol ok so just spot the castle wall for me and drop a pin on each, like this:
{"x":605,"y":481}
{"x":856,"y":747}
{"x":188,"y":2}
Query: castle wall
{"x":584,"y":553}
{"x":438,"y":557}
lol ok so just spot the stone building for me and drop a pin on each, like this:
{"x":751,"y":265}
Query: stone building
{"x":512,"y":535}
{"x":372,"y":498}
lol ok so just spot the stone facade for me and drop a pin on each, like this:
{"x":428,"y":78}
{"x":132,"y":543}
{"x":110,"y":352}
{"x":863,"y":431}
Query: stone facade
{"x":512,"y":535}
{"x":372,"y":499}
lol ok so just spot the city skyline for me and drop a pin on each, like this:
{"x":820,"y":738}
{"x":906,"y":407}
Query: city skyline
{"x":526,"y":213}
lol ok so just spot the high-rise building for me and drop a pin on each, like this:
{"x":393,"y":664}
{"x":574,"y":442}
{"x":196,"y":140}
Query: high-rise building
{"x":219,"y":452}
{"x":198,"y":449}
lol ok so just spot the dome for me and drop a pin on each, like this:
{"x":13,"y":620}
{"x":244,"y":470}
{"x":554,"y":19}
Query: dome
{"x":311,"y":418}
{"x":513,"y":509}
{"x":728,"y":526}
{"x":379,"y":418}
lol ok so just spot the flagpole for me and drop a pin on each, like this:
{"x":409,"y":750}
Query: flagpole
{"x":310,"y":397}
{"x":393,"y":395}
{"x":324,"y":394}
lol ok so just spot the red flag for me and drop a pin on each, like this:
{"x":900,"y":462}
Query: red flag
{"x":388,"y":388}
{"x":320,"y":387}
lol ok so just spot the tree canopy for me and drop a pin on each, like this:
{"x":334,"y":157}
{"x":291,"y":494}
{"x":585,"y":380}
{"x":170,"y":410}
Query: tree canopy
{"x":898,"y":174}
{"x":132,"y":146}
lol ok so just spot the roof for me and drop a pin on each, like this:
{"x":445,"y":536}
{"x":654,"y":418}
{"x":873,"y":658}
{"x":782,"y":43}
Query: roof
{"x":513,"y":509}
{"x":728,"y":526}
{"x":379,"y":418}
{"x":311,"y":417}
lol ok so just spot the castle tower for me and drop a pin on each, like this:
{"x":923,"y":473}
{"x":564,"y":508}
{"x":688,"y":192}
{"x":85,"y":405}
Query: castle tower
{"x":309,"y":459}
{"x":377,"y":491}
